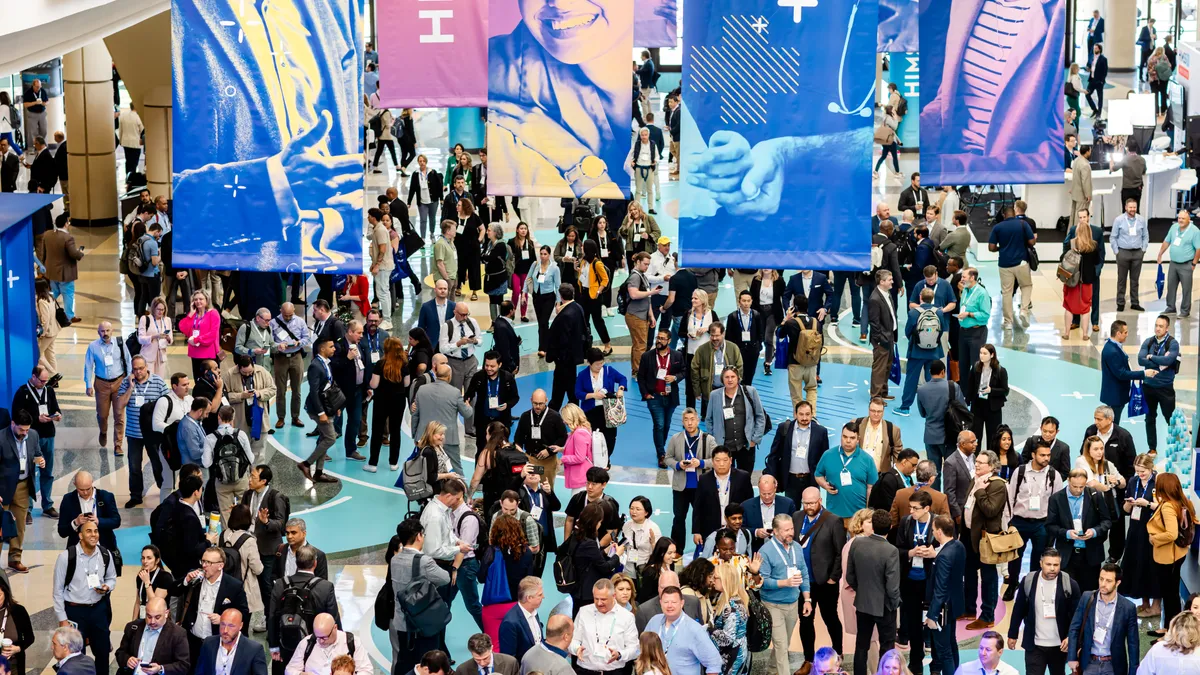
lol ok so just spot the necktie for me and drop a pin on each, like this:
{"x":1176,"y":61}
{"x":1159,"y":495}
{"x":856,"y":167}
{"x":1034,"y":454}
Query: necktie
{"x":462,"y":333}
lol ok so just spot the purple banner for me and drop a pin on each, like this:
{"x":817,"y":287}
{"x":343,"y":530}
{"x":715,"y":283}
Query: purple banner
{"x":433,"y":53}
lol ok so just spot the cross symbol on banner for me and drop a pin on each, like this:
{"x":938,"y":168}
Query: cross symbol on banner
{"x":235,"y":186}
{"x":1077,"y":396}
{"x":759,"y":25}
{"x":797,"y":6}
{"x":241,"y":12}
{"x":12,"y":278}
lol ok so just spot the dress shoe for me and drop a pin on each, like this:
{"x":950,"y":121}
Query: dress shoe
{"x":356,"y":457}
{"x":132,"y":503}
{"x":662,"y":462}
{"x":805,"y":669}
{"x":313,"y":434}
{"x":362,"y":441}
{"x":103,"y":440}
{"x":29,"y":517}
{"x":980,"y":624}
{"x":75,"y":319}
{"x":17,"y":567}
{"x":279,"y":423}
{"x":297,"y":423}
{"x":1010,"y":593}
{"x":50,"y":513}
{"x":304,"y":469}
{"x":966,"y":617}
{"x":1137,"y":308}
{"x":324,"y":478}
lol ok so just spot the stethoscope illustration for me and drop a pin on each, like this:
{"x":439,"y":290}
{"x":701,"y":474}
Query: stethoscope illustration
{"x":864,"y":109}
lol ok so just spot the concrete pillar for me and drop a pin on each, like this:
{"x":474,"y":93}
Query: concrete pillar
{"x":1119,"y":18}
{"x":91,"y":143}
{"x":156,"y":117}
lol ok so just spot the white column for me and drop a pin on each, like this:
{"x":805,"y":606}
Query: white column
{"x":1120,"y":17}
{"x":91,"y":142}
{"x":156,"y":116}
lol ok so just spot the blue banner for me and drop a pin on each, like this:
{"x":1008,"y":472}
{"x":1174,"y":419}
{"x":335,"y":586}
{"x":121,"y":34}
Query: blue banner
{"x":777,"y":128}
{"x":18,"y":310}
{"x":898,"y":25}
{"x":267,"y":135}
{"x":992,"y":73}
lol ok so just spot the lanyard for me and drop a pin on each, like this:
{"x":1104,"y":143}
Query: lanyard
{"x":611,"y":627}
{"x":674,"y":633}
{"x":791,"y":553}
{"x":373,"y":345}
{"x":1139,"y":494}
{"x":689,"y":446}
{"x":534,"y":498}
{"x":145,"y":589}
{"x":743,"y":321}
{"x":733,"y":401}
{"x":538,"y":424}
{"x":40,"y":399}
{"x":494,"y":388}
{"x":728,"y":483}
{"x":846,"y":460}
{"x":921,"y":532}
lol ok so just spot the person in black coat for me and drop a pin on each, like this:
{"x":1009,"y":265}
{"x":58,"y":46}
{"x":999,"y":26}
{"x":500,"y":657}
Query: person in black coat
{"x":1029,"y":608}
{"x":10,"y":167}
{"x":772,"y":314}
{"x":505,"y":339}
{"x":1082,"y":564}
{"x":102,"y":508}
{"x":297,"y":539}
{"x":1119,"y":449}
{"x":591,"y":562}
{"x":184,"y":536}
{"x":468,"y":241}
{"x":536,"y":492}
{"x":60,"y":162}
{"x":565,"y":350}
{"x":479,"y":191}
{"x":895,"y":479}
{"x":231,"y":594}
{"x":488,"y":382}
{"x":171,"y":650}
{"x":13,"y":612}
{"x":987,"y":398}
{"x":1060,"y":453}
{"x":324,"y":599}
{"x":881,"y":312}
{"x":666,"y":399}
{"x":779,"y":460}
{"x":711,"y":498}
{"x":349,"y":362}
{"x":43,"y":174}
{"x":746,"y":329}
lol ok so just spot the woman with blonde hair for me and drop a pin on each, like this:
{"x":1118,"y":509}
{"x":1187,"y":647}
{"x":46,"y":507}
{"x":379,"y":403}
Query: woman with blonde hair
{"x":651,"y":660}
{"x":46,"y":313}
{"x":1174,"y":513}
{"x":892,"y":663}
{"x":202,"y":329}
{"x":438,"y":467}
{"x":1074,"y":80}
{"x":1159,"y":78}
{"x":857,"y":525}
{"x":1140,"y":504}
{"x":625,"y":592}
{"x":730,"y":618}
{"x":1103,"y":477}
{"x":577,"y":452}
{"x":695,"y":323}
{"x":1177,"y":652}
{"x":1077,"y":299}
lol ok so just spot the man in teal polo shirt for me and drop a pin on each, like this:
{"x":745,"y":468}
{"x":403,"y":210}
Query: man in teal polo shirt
{"x":1183,"y":240}
{"x":846,"y":476}
{"x":972,"y":320}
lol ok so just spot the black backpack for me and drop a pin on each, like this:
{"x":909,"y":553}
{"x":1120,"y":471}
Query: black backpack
{"x":133,"y":344}
{"x":385,"y":603}
{"x":905,"y":251}
{"x":150,"y":438}
{"x":902,"y":107}
{"x":229,"y":461}
{"x":481,"y":532}
{"x":958,"y":416}
{"x":564,"y":568}
{"x":296,"y":613}
{"x":425,"y":611}
{"x":233,"y":557}
{"x":72,"y":562}
{"x":169,"y":439}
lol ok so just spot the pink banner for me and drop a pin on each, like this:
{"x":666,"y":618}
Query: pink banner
{"x":433,"y":53}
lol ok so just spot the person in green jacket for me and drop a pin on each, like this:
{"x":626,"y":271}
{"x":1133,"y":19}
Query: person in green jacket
{"x":972,"y":320}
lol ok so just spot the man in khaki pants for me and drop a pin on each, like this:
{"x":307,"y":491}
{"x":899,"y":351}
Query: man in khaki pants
{"x":639,"y":316}
{"x":19,"y":453}
{"x":290,"y":335}
{"x":105,"y":365}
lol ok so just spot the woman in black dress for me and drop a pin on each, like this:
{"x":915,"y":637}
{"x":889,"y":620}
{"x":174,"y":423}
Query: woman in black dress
{"x":986,"y":392}
{"x":1139,"y":553}
{"x":389,"y":384}
{"x":495,"y":268}
{"x":567,"y":253}
{"x":468,"y":238}
{"x":612,"y":254}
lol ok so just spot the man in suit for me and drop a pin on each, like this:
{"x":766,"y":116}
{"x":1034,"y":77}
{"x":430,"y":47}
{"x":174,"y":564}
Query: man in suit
{"x":1146,"y":39}
{"x":748,"y":332}
{"x":723,"y":486}
{"x":43,"y":174}
{"x":1095,"y":33}
{"x":797,"y":449}
{"x":1060,"y":453}
{"x":882,"y":318}
{"x":760,"y":511}
{"x":320,"y":375}
{"x":287,"y":555}
{"x":20,"y":452}
{"x":809,"y":292}
{"x":326,"y":326}
{"x":959,"y":470}
{"x":87,"y":503}
{"x":926,"y":475}
{"x":436,"y":311}
{"x":320,"y":589}
{"x":1090,"y":647}
{"x":822,"y":536}
{"x":156,"y":641}
{"x":60,"y":166}
{"x":933,"y":399}
{"x":408,"y":650}
{"x":479,"y":192}
{"x":1081,"y":169}
{"x":873,"y":571}
{"x":67,"y":646}
{"x":206,"y":594}
{"x":10,"y":167}
{"x":521,"y":627}
{"x":442,"y":402}
{"x":1115,"y":375}
{"x":1098,"y":77}
{"x":270,"y":509}
{"x":565,"y":350}
{"x":944,"y":595}
{"x":1077,"y":525}
{"x":492,"y":393}
{"x":486,"y":661}
{"x":226,"y":653}
{"x":895,"y":479}
{"x":913,"y":537}
{"x":351,"y":369}
{"x":1044,"y":642}
{"x":652,"y":607}
{"x":505,"y":340}
{"x":184,"y":533}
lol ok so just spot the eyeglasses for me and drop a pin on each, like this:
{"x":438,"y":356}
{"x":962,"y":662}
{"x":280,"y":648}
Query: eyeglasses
{"x":211,"y":562}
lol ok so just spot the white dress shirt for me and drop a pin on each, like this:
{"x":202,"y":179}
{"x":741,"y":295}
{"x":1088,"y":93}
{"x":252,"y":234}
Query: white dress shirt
{"x":596,"y":633}
{"x":457,"y":330}
{"x":206,"y":605}
{"x":535,"y":627}
{"x":224,"y":664}
{"x":322,"y":657}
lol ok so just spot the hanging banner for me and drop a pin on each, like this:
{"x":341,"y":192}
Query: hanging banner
{"x":434,"y":54}
{"x":560,"y":110}
{"x":655,"y":23}
{"x":992,"y":73}
{"x":267,"y":135}
{"x":904,"y":70}
{"x":776,"y":133}
{"x":898,"y":25}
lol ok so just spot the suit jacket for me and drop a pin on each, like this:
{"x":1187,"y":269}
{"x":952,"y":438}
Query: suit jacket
{"x":566,"y":336}
{"x":478,"y":190}
{"x":882,"y":320}
{"x":1095,"y":517}
{"x":318,"y":377}
{"x":323,"y":598}
{"x":648,"y":373}
{"x":10,"y":462}
{"x":107,"y":515}
{"x":900,"y":507}
{"x":757,"y":330}
{"x":957,"y":482}
{"x":183,"y":533}
{"x":1119,"y":450}
{"x":430,"y":322}
{"x":904,"y":536}
{"x":651,"y":608}
{"x":506,"y":387}
{"x":996,"y":397}
{"x":515,"y":636}
{"x":827,"y":538}
{"x":171,"y":651}
{"x":779,"y":460}
{"x":1115,"y":375}
{"x":60,"y":255}
{"x":1060,"y":455}
{"x":345,"y":370}
{"x":1081,"y":171}
{"x":249,"y":659}
{"x":231,"y":594}
{"x":508,"y":343}
{"x":502,"y":664}
{"x":707,"y":517}
{"x":883,"y":493}
{"x":80,"y":664}
{"x":60,"y":161}
{"x":10,"y":167}
{"x":1096,"y":24}
{"x":778,"y":298}
{"x":944,"y":594}
{"x":1066,"y":601}
{"x":281,"y":562}
{"x":820,"y":293}
{"x":269,"y":535}
{"x":439,"y":402}
{"x":43,"y":174}
{"x":331,"y":329}
{"x":1124,"y":645}
{"x":753,"y":518}
{"x":873,"y":571}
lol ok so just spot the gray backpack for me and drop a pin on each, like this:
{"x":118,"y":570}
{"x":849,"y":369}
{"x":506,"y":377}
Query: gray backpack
{"x":416,"y":488}
{"x":1068,"y":267}
{"x":929,"y":329}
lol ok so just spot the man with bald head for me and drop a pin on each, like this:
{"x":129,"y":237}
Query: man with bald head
{"x":821,"y":535}
{"x":760,"y":511}
{"x":227,"y":654}
{"x":549,"y":657}
{"x":155,"y":640}
{"x":315,"y":653}
{"x":441,"y":401}
{"x":88,"y":504}
{"x":290,"y":338}
{"x":436,"y":312}
{"x":653,"y":607}
{"x":460,"y":338}
{"x":541,"y":434}
{"x":105,"y":365}
{"x":958,"y":474}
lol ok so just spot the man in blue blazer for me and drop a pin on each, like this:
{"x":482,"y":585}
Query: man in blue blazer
{"x":816,"y":291}
{"x":436,"y":312}
{"x":248,"y":656}
{"x":1095,"y":33}
{"x":1115,"y":375}
{"x":1119,"y":643}
{"x":505,"y":339}
{"x":516,"y":634}
{"x":101,"y":507}
{"x":945,"y":596}
{"x":762,"y":509}
{"x":789,"y":452}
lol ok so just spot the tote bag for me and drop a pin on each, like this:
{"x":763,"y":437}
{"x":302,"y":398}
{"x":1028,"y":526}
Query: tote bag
{"x":495,"y":587}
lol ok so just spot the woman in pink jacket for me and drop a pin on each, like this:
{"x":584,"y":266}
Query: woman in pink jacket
{"x":202,"y":328}
{"x":577,"y":453}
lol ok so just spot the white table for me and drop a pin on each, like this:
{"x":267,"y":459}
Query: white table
{"x":1048,"y":202}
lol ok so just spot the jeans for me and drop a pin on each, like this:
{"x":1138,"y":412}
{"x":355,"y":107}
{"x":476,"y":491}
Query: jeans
{"x":1098,"y":668}
{"x":673,"y":323}
{"x":945,"y":649}
{"x":661,"y":412}
{"x":1155,"y":397}
{"x":912,"y":378}
{"x":937,"y":453}
{"x":893,"y":150}
{"x":67,"y":290}
{"x":1033,"y":532}
{"x":1039,"y":659}
{"x":46,"y":473}
{"x":428,"y":217}
{"x":353,"y":417}
{"x":468,"y":585}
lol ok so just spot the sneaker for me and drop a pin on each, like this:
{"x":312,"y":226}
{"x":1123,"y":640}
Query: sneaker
{"x":259,"y":625}
{"x":1010,"y":593}
{"x":362,"y":441}
{"x":394,"y":467}
{"x":855,"y":322}
{"x":370,"y":468}
{"x":1136,"y":308}
{"x":902,"y":412}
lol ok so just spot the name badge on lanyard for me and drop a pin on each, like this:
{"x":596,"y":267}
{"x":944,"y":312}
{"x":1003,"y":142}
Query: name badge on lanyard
{"x":535,"y":433}
{"x":1035,"y":502}
{"x":1048,"y":611}
{"x":847,"y":478}
{"x":728,"y":412}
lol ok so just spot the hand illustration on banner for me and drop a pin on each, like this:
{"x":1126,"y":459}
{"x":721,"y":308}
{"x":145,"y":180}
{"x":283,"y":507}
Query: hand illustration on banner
{"x":655,"y":23}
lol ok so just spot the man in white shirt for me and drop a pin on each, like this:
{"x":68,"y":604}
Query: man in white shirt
{"x":662,"y":267}
{"x":130,"y":130}
{"x":606,"y":637}
{"x":329,"y":644}
{"x":459,"y":339}
{"x":167,"y":410}
{"x":440,"y":541}
{"x":991,"y":646}
{"x":521,"y":628}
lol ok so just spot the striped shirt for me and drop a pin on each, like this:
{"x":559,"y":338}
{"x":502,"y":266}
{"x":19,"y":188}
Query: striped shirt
{"x":150,"y":390}
{"x":984,"y":61}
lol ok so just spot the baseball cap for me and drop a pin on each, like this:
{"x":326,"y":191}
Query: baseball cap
{"x":663,"y":241}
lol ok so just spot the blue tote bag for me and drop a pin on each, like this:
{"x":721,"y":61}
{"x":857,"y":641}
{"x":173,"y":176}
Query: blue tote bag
{"x":894,"y":376}
{"x":495,"y":586}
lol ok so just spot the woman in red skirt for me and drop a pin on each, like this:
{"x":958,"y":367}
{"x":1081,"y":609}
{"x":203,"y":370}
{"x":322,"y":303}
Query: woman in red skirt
{"x":1077,"y":299}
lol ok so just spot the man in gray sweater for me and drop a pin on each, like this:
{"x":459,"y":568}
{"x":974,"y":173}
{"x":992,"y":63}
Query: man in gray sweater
{"x":407,"y":650}
{"x":550,"y":656}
